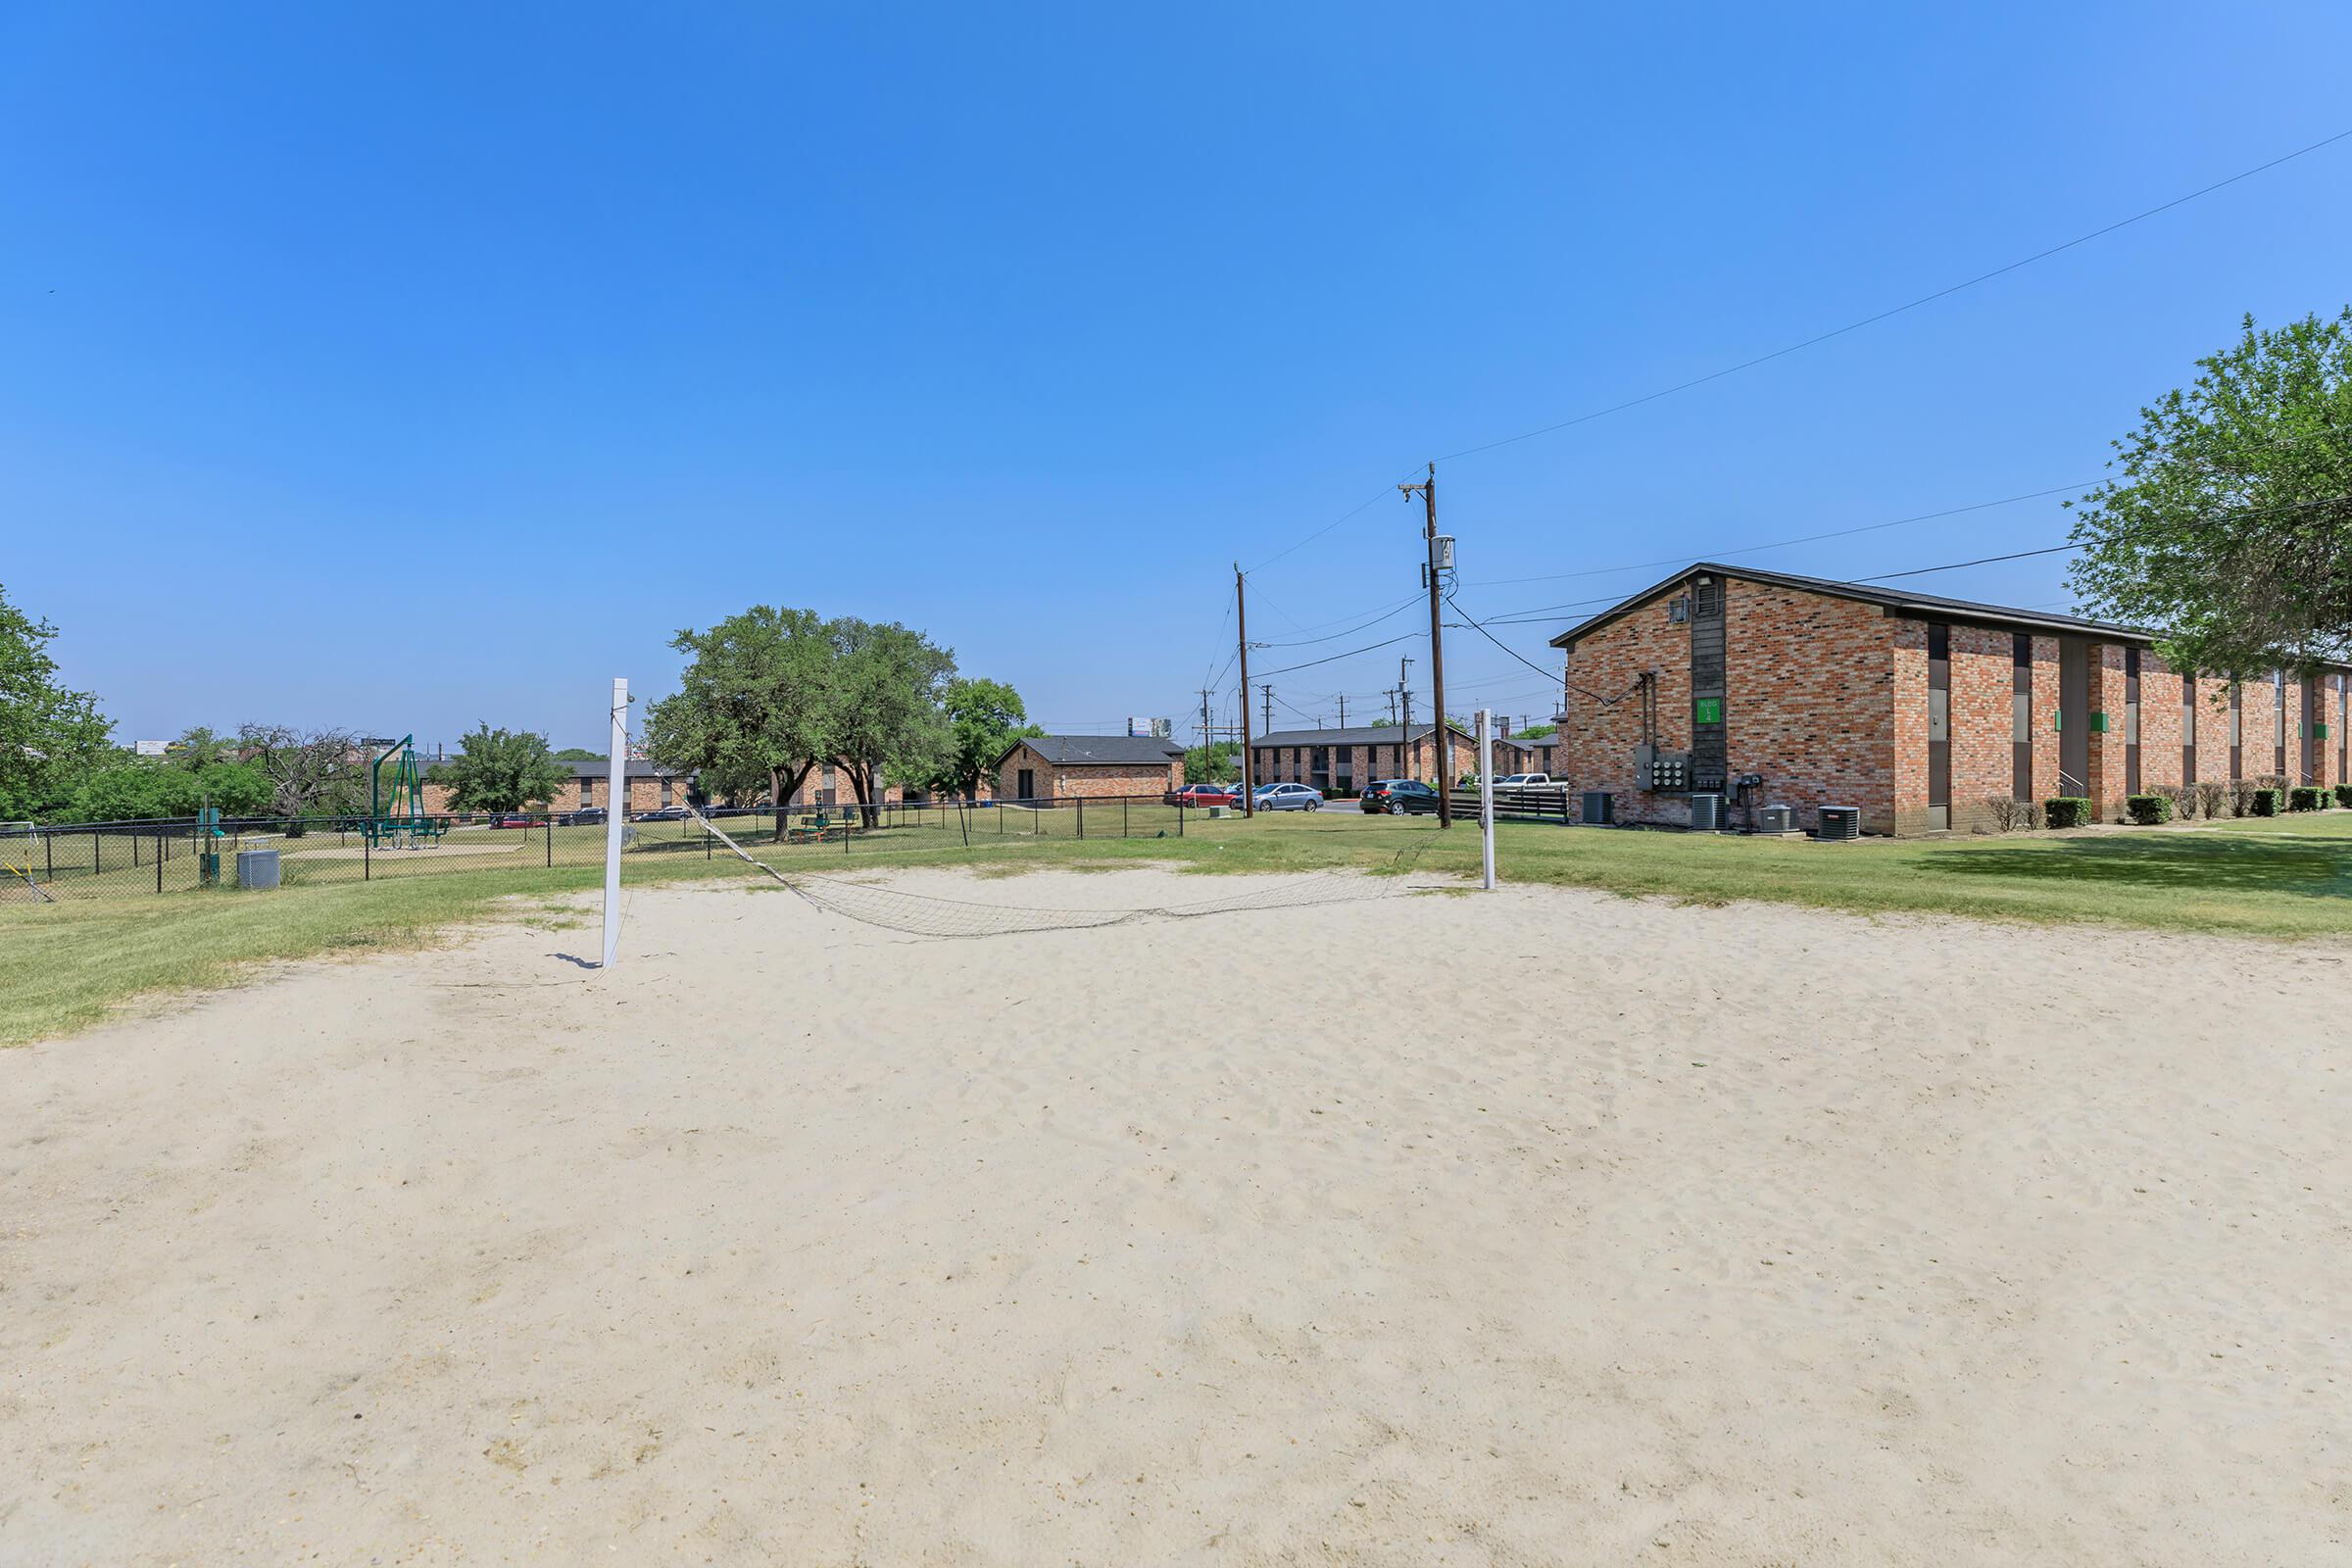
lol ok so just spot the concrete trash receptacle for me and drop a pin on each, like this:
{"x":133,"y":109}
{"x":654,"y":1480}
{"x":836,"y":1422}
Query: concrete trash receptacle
{"x":257,"y":868}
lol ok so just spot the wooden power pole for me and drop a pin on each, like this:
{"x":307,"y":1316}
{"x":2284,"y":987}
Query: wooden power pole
{"x":1437,"y":648}
{"x":1241,"y":615}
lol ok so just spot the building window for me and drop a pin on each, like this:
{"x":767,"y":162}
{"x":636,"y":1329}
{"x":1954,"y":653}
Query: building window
{"x":666,"y":794}
{"x":588,"y":789}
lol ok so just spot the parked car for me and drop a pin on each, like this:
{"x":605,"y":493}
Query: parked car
{"x":1395,"y":795}
{"x":1524,"y":779}
{"x":514,"y":820}
{"x":1202,"y":795}
{"x":668,"y":813}
{"x":1288,"y":798}
{"x":585,"y":817}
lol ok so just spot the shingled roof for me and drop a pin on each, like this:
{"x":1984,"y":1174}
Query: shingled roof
{"x":1098,"y":751}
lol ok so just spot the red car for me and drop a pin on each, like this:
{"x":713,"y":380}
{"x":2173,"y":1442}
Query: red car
{"x":1201,"y":795}
{"x":514,"y":820}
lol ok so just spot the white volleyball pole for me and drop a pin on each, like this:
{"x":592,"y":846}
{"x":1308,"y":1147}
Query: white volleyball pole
{"x":1486,"y":793}
{"x":617,"y":812}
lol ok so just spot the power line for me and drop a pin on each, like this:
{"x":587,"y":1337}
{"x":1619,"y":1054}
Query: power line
{"x":1783,"y":544}
{"x":1982,"y":561}
{"x":1390,"y":614}
{"x":1835,"y":332}
{"x":1349,"y":654}
{"x":1911,"y":304}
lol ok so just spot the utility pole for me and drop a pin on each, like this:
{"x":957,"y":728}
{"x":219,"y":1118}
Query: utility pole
{"x":1268,"y":688}
{"x":1342,"y":710}
{"x":1436,"y":645}
{"x":1404,"y":731}
{"x":1241,"y":615}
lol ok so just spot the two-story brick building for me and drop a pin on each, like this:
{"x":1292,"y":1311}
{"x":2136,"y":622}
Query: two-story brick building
{"x":1922,"y":711}
{"x":1341,"y":762}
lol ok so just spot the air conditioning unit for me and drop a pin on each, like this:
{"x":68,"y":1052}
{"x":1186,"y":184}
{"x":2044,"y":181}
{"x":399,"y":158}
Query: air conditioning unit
{"x":1706,"y":813}
{"x":1841,"y":824}
{"x":1600,"y":807}
{"x":1774,"y":819}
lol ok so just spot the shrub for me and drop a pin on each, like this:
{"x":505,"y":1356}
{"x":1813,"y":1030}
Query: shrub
{"x":2149,"y":810}
{"x":2007,"y":815}
{"x":2261,"y":802}
{"x":2303,"y":797}
{"x":2213,"y":798}
{"x":2241,"y":797}
{"x":2183,"y":796}
{"x":2343,"y":795}
{"x":2065,"y":810}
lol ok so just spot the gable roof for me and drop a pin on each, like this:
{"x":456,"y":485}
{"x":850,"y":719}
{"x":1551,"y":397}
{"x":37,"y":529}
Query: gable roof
{"x":1098,"y":751}
{"x":1897,"y":601}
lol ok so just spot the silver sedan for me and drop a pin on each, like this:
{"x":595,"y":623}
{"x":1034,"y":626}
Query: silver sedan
{"x":1288,"y":798}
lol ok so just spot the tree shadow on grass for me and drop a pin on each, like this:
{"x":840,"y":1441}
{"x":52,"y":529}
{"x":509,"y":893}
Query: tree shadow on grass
{"x":2297,"y":864}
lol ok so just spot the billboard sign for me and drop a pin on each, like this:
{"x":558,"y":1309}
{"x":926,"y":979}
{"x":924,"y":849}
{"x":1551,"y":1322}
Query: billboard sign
{"x":151,"y":748}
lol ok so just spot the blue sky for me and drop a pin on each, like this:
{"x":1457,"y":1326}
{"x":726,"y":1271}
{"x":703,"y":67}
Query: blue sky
{"x":412,"y":368}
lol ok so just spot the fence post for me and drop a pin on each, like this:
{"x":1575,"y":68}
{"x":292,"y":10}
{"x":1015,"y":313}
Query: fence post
{"x":367,"y":857}
{"x":1180,"y":818}
{"x":159,"y":861}
{"x":963,"y":821}
{"x":97,"y":857}
{"x":1082,"y":816}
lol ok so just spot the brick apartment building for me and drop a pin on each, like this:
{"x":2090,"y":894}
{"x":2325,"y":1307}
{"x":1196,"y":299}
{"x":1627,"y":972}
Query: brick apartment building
{"x":1341,"y":762}
{"x":1920,"y":711}
{"x":587,"y":784}
{"x":1065,"y":768}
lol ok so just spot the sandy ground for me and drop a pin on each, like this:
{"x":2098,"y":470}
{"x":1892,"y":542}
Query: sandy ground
{"x":1535,"y":1228}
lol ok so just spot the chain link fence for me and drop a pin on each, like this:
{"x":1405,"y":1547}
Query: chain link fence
{"x":62,"y":862}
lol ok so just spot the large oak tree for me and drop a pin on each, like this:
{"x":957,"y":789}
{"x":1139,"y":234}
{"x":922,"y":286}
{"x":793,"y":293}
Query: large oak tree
{"x":2227,"y":525}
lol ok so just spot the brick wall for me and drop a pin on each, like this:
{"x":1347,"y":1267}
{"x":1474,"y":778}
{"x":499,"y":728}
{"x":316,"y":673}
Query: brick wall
{"x":1984,"y":727}
{"x":1091,"y":780}
{"x":2104,"y":777}
{"x":1910,"y":726}
{"x":2159,"y":724}
{"x":2049,"y":754}
{"x":1807,"y":699}
{"x":1602,"y":708}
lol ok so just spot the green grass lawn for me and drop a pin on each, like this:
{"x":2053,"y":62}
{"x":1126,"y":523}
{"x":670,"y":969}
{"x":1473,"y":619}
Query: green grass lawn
{"x":64,"y":966}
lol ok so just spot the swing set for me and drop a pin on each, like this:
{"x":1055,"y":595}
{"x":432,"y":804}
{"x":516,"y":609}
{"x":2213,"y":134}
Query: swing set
{"x":396,"y":815}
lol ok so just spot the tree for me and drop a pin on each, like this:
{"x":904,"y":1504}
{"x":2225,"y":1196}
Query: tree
{"x":984,"y":719}
{"x":1537,"y":732}
{"x":314,"y":772}
{"x":142,"y":788}
{"x":49,"y":736}
{"x":1212,"y":764}
{"x":579,"y":754}
{"x":885,"y":709}
{"x":2229,"y":523}
{"x":501,"y":770}
{"x":753,"y":705}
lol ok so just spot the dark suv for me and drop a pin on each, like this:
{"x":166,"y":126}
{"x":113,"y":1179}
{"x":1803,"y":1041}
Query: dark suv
{"x":1395,"y":795}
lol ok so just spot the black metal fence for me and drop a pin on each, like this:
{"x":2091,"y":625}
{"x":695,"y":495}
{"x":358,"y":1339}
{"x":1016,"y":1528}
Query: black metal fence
{"x":59,"y":863}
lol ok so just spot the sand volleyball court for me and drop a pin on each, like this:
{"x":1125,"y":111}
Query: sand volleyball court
{"x":1541,"y":1227}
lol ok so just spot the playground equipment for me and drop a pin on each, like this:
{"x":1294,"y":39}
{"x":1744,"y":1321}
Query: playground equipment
{"x":208,"y":845}
{"x":396,"y":813}
{"x":17,"y":841}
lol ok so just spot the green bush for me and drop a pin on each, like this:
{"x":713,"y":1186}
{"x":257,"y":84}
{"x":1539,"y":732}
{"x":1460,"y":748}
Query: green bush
{"x":2065,"y":810}
{"x":2343,"y":795}
{"x":2149,"y":810}
{"x":2262,"y":803}
{"x":2304,"y":798}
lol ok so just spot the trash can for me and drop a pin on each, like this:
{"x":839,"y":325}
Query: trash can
{"x":257,"y":868}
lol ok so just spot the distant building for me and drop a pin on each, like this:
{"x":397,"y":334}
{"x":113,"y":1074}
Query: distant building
{"x":1061,"y":767}
{"x":1341,"y":762}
